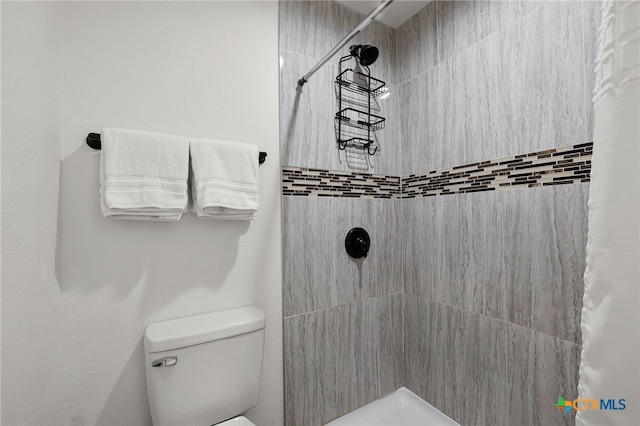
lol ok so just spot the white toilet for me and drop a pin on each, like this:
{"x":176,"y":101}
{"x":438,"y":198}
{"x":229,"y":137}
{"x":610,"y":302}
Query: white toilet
{"x":205,"y":369}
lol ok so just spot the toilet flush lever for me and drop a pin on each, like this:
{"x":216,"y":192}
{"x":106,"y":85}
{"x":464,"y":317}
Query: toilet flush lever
{"x":169,"y":361}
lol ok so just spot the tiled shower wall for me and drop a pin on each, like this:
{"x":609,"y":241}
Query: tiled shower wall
{"x":472,"y":301}
{"x":493,"y":280}
{"x":343,"y":320}
{"x":308,"y":30}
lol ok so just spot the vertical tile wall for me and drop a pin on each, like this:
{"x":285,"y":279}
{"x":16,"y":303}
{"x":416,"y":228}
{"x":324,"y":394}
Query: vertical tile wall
{"x":472,"y":301}
{"x":493,"y":280}
{"x":495,"y":271}
{"x":343,"y":320}
{"x":308,"y":30}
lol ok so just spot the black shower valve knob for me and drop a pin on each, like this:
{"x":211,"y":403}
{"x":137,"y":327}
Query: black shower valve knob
{"x":357,"y":243}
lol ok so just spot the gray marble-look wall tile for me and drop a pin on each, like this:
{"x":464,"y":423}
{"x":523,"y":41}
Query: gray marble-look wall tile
{"x":590,"y":32}
{"x":413,"y":245}
{"x":448,"y":148}
{"x":416,"y":44}
{"x":476,"y":369}
{"x":294,"y":30}
{"x":312,"y":28}
{"x":317,"y":271}
{"x":513,"y":92}
{"x":471,"y":272}
{"x":445,"y":29}
{"x":422,"y":123}
{"x":513,"y":10}
{"x":358,"y":343}
{"x":355,"y":277}
{"x":387,"y":236}
{"x":540,"y":70}
{"x":412,"y":131}
{"x":302,"y":26}
{"x":474,"y":103}
{"x":388,"y":158}
{"x":310,"y":368}
{"x":485,"y":293}
{"x":545,"y":232}
{"x":425,"y":343}
{"x":380,"y":272}
{"x":309,"y":254}
{"x":540,"y":368}
{"x":456,"y":119}
{"x":307,"y":136}
{"x":460,"y":24}
{"x":391,"y":371}
{"x":454,"y":250}
{"x":422,"y":252}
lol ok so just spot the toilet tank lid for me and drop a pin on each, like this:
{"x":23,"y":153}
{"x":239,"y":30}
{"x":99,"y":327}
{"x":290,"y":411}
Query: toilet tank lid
{"x":189,"y":331}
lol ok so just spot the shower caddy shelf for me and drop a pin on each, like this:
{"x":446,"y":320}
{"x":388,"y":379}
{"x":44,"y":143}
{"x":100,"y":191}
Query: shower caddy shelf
{"x":347,"y":79}
{"x":352,"y":117}
{"x":365,"y":86}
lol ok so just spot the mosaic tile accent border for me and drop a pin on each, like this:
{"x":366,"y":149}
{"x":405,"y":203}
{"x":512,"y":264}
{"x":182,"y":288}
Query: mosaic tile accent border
{"x":557,"y":166}
{"x":325,"y":183}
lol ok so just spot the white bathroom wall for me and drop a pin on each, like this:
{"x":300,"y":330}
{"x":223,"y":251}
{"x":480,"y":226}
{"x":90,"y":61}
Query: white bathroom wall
{"x":31,"y":105}
{"x":201,"y":69}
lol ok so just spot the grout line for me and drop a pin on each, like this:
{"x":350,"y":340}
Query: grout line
{"x":506,"y":322}
{"x":403,"y":371}
{"x":335,"y":363}
{"x":438,"y":41}
{"x":342,"y":304}
{"x":439,"y":61}
{"x":584,"y":68}
{"x":502,"y":204}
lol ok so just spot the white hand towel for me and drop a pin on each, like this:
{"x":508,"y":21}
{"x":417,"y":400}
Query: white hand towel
{"x":143,"y":175}
{"x":225,"y":179}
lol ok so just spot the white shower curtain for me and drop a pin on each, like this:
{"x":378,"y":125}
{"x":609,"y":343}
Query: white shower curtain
{"x":610,"y":364}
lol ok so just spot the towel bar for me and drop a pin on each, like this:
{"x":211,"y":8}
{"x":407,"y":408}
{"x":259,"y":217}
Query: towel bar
{"x":93,"y":140}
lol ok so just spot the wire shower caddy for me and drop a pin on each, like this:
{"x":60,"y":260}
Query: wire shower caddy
{"x":356,"y":127}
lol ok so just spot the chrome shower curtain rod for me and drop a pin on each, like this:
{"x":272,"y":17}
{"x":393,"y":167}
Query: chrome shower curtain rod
{"x":362,"y":25}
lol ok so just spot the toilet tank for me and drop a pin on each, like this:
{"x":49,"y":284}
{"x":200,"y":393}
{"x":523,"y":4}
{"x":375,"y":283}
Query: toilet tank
{"x":204,"y":369}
